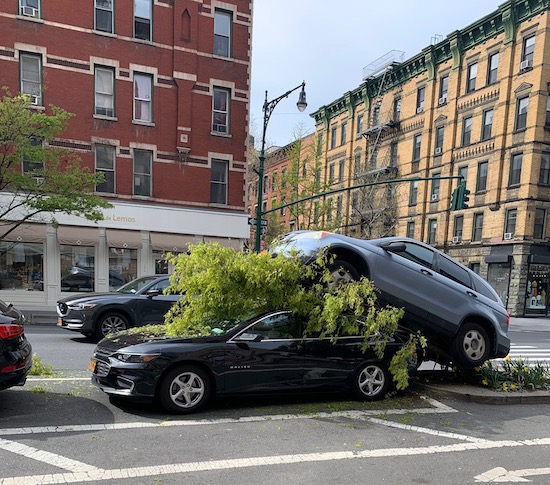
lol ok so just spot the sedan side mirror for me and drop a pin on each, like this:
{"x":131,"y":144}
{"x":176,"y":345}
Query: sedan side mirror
{"x":152,"y":293}
{"x":394,"y":246}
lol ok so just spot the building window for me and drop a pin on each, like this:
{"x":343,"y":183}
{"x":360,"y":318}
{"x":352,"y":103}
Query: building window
{"x":143,"y":109}
{"x":122,"y":266}
{"x":492,"y":68}
{"x":466,"y":131}
{"x":77,"y":268}
{"x":393,"y":154}
{"x":222,"y":33}
{"x":360,"y":123}
{"x":341,"y":170}
{"x":416,"y":147}
{"x":104,"y":16}
{"x":376,"y":116}
{"x":436,"y":182}
{"x":143,"y":160}
{"x":31,"y":77}
{"x":30,"y":8}
{"x":33,"y":162}
{"x":528,"y":49}
{"x":540,"y":223}
{"x":142,"y":19}
{"x":439,"y":135}
{"x":343,"y":134}
{"x":333,"y":137}
{"x":21,"y":266}
{"x":357,"y":163}
{"x":331,"y":170}
{"x":413,"y":192}
{"x":218,"y":182}
{"x":475,"y":267}
{"x":105,"y":163}
{"x":547,"y":119}
{"x":220,"y":111}
{"x":458,"y":227}
{"x":472,"y":75}
{"x":432,"y":231}
{"x":510,"y":225}
{"x":443,"y":89}
{"x":104,"y":91}
{"x":544,"y":174}
{"x":481,"y":182}
{"x":420,"y":97}
{"x":410,"y":229}
{"x":396,"y":109}
{"x":487,"y":126}
{"x":515,"y":169}
{"x":477,"y":227}
{"x":463,"y":172}
{"x":521,"y":113}
{"x":339,"y":208}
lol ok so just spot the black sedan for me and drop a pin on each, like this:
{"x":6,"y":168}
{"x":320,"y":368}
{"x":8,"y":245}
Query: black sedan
{"x":139,"y":302}
{"x":15,"y":350}
{"x":264,"y":354}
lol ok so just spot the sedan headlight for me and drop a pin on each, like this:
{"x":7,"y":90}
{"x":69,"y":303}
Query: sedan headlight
{"x":135,"y":358}
{"x":82,"y":306}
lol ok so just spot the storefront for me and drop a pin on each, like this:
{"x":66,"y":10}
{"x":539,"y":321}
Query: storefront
{"x":41,"y":262}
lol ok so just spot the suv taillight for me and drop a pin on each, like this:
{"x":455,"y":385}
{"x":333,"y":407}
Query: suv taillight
{"x":9,"y":330}
{"x":507,"y":319}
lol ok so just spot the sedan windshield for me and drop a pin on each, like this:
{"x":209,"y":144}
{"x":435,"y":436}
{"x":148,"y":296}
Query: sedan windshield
{"x":135,"y":285}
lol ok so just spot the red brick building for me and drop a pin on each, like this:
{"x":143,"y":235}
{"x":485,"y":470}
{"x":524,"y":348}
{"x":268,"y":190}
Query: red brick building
{"x":160,"y":93}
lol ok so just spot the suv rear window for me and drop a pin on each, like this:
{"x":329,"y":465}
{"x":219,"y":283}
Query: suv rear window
{"x":454,"y":272}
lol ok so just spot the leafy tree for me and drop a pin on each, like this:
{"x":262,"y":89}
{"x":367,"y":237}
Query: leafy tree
{"x":223,"y":284}
{"x":36,"y":178}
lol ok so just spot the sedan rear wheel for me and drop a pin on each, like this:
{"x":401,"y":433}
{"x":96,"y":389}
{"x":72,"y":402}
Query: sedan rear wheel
{"x":372,"y":381}
{"x":111,"y":323}
{"x":471,"y":346}
{"x":185,"y":389}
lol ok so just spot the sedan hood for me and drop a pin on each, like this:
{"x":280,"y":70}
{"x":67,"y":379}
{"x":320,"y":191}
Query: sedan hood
{"x":142,"y":342}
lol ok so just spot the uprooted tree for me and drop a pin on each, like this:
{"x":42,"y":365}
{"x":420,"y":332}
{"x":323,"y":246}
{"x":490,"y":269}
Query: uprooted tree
{"x":38,"y":179}
{"x":224,"y":284}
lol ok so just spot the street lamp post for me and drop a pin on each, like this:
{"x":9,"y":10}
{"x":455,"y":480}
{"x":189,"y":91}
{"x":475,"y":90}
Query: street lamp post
{"x":268,"y":108}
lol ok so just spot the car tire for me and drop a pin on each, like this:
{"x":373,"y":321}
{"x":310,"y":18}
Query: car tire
{"x":185,"y":389}
{"x":371,"y":381}
{"x":471,"y":346}
{"x":112,"y":322}
{"x":343,"y":272}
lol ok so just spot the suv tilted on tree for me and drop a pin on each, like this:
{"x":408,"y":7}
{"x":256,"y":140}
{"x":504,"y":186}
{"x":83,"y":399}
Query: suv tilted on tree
{"x":459,"y":313}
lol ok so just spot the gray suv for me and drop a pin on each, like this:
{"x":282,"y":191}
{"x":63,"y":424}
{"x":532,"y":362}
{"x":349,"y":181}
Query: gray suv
{"x":459,"y":313}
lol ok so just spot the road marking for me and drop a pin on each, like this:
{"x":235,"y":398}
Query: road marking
{"x":438,"y":408}
{"x":179,"y":468}
{"x":501,"y":475}
{"x":49,"y":379}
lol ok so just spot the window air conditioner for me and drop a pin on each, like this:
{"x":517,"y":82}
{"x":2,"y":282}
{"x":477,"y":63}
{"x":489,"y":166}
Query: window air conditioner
{"x":435,"y":197}
{"x":456,"y":239}
{"x":438,"y":150}
{"x":508,"y":236}
{"x":419,"y":109}
{"x":39,"y":180}
{"x":35,"y":100}
{"x":442,"y":100}
{"x":28,"y":11}
{"x":526,"y":64}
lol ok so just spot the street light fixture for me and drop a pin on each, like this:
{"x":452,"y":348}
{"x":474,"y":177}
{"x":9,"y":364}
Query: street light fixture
{"x":268,"y":108}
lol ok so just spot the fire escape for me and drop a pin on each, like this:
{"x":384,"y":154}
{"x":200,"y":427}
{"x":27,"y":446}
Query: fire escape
{"x":374,"y":213}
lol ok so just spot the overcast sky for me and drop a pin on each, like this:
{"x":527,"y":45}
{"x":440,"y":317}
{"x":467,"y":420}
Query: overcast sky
{"x":327,"y":44}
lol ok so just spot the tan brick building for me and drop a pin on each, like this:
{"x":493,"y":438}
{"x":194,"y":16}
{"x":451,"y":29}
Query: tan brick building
{"x":475,"y":104}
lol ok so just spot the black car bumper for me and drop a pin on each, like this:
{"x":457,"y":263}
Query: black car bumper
{"x":15,"y":368}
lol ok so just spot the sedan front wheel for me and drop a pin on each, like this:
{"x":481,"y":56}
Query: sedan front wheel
{"x":185,"y":389}
{"x":372,"y":381}
{"x":110,"y":323}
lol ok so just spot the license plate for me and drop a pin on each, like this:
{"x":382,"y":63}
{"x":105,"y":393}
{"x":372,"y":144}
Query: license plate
{"x":92,"y":366}
{"x":59,"y":322}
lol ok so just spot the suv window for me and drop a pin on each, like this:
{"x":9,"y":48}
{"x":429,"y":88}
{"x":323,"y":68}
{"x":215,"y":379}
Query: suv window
{"x":161,"y":285}
{"x":480,"y":287}
{"x":418,"y":254}
{"x":454,"y":272}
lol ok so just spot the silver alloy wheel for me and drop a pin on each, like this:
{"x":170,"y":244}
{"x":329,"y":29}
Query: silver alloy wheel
{"x":474,"y":344}
{"x":187,"y":389}
{"x":371,"y":380}
{"x":340,"y":275}
{"x":113,"y":324}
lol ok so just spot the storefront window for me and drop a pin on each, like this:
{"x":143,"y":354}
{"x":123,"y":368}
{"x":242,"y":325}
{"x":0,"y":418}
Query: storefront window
{"x":536,"y":295}
{"x":21,"y":266}
{"x":77,"y":268}
{"x":161,"y":264}
{"x":498,"y":276}
{"x":122,"y":266}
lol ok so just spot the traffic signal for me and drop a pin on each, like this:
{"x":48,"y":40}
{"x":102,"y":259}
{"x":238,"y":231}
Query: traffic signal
{"x":459,"y":197}
{"x":464,"y":197}
{"x":455,"y":198}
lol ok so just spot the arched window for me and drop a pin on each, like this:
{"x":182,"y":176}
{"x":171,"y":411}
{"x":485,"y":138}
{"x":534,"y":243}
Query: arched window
{"x":185,"y":25}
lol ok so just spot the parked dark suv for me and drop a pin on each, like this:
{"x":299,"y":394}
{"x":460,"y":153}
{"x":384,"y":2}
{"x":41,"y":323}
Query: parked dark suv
{"x":458,"y":312}
{"x":139,"y":302}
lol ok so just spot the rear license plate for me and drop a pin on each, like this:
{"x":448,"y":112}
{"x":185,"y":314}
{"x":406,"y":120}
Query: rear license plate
{"x":92,"y":366}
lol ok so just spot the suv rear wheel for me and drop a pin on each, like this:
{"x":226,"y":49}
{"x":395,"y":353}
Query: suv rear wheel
{"x":471,"y":346}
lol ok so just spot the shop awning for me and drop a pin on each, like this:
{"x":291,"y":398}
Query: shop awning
{"x":224,"y":241}
{"x":78,"y":236}
{"x":123,"y":239}
{"x":24,"y":232}
{"x":175,"y":243}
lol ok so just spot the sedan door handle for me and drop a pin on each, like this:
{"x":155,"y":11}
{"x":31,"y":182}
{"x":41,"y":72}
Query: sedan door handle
{"x":472,"y":294}
{"x":426,"y":272}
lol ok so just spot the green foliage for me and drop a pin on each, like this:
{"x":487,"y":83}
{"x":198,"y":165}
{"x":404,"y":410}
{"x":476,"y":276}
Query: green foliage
{"x":223,"y":284}
{"x":41,"y":369}
{"x":53,"y":180}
